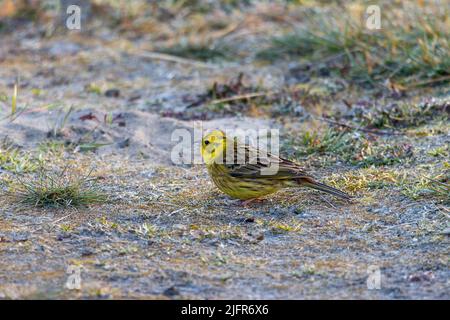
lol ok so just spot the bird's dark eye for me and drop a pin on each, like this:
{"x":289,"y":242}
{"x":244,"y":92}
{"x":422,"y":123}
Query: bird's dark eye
{"x":206,"y":142}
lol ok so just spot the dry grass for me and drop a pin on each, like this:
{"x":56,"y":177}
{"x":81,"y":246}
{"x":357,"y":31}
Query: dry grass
{"x":412,"y":47}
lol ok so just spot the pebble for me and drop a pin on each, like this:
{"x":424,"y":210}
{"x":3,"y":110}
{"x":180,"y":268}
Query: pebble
{"x":172,"y":291}
{"x":62,"y":235}
{"x":124,"y":143}
{"x":112,"y":93}
{"x":422,"y":276}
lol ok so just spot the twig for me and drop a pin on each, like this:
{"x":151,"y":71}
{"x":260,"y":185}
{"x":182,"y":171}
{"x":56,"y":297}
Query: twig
{"x":26,"y":110}
{"x":241,"y":97}
{"x":45,"y":222}
{"x":14,"y":115}
{"x":419,"y":84}
{"x":60,"y":219}
{"x":345,"y":125}
{"x":438,"y":182}
{"x":165,"y":203}
{"x":324,"y":199}
{"x":176,"y":211}
{"x":398,"y":225}
{"x":171,"y":58}
{"x":225,"y":32}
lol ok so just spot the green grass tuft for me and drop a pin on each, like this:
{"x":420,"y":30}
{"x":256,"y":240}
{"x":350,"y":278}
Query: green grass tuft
{"x":328,"y":142}
{"x":14,"y":160}
{"x":51,"y":189}
{"x":437,"y":188}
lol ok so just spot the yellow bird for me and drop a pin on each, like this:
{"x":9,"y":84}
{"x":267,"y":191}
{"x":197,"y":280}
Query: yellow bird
{"x":248,"y":175}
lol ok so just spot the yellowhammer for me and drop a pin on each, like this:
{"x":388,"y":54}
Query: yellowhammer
{"x":250,"y":174}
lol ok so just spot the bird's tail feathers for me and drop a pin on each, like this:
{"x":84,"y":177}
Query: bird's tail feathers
{"x":325,"y":188}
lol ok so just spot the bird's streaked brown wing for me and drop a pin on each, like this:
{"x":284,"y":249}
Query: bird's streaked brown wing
{"x":257,"y":164}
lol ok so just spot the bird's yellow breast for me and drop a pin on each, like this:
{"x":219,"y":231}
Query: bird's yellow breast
{"x":238,"y":187}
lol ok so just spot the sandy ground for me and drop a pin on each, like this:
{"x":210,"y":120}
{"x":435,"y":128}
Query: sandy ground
{"x":166,"y":232}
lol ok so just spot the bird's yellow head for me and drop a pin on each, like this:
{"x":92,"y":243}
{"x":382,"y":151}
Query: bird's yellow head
{"x":213,"y":147}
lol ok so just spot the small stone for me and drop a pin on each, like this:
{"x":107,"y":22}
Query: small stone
{"x":296,"y":210}
{"x":172,"y":291}
{"x":124,"y":143}
{"x":148,"y":173}
{"x":132,"y":269}
{"x":179,"y":226}
{"x":423,"y":276}
{"x":112,"y":93}
{"x":19,"y":236}
{"x":134,"y":97}
{"x":62,"y":235}
{"x":249,"y":220}
{"x":277,"y":211}
{"x":86,"y":252}
{"x":299,"y":111}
